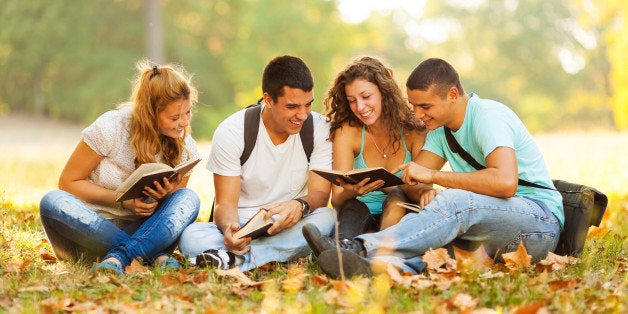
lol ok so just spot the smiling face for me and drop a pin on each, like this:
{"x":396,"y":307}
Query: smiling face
{"x":434,"y":110}
{"x":174,"y":118}
{"x":365,"y":100}
{"x":286,"y":115}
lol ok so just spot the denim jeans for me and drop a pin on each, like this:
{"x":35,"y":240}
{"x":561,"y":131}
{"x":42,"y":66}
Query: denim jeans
{"x":75,"y":231}
{"x":497,"y":223}
{"x":284,"y":246}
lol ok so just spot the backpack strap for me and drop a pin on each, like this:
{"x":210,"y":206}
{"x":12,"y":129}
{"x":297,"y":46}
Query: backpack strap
{"x":455,"y":148}
{"x":251,"y":128}
{"x":307,"y":136}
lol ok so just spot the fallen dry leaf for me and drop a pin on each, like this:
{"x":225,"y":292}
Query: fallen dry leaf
{"x":464,"y":302}
{"x":35,"y":289}
{"x":517,"y":260}
{"x":239,"y":276}
{"x":48,"y":257}
{"x":537,"y":307}
{"x":6,"y":301}
{"x":136,"y":268}
{"x":320,"y":280}
{"x":562,"y":284}
{"x":439,"y":260}
{"x":553,"y":262}
{"x":296,"y":279}
{"x":477,"y":260}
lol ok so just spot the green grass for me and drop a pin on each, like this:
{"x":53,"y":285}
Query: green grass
{"x":597,"y":283}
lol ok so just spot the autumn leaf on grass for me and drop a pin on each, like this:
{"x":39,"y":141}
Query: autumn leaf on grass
{"x":396,"y":276}
{"x":348,"y":294}
{"x":439,"y":260}
{"x":67,"y":305}
{"x":271,"y":303}
{"x":553,"y":262}
{"x":562,"y":284}
{"x":531,"y":308}
{"x":443,"y":281}
{"x":136,"y":268}
{"x":239,"y":276}
{"x":517,"y":260}
{"x":296,"y":279}
{"x":47,"y":257}
{"x":380,"y":288}
{"x":320,"y":280}
{"x":464,"y":302}
{"x":477,"y":260}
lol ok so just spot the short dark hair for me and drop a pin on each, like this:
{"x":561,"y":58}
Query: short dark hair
{"x":286,"y":71}
{"x":434,"y":72}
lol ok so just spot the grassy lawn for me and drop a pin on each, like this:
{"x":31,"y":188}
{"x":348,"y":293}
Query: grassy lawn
{"x":32,"y":280}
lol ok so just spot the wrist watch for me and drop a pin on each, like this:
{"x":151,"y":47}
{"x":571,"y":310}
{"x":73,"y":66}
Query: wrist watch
{"x":306,"y":206}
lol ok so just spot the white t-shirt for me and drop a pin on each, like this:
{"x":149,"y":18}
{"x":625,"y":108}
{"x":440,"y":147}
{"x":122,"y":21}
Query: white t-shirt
{"x":273,"y":173}
{"x":109,"y":136}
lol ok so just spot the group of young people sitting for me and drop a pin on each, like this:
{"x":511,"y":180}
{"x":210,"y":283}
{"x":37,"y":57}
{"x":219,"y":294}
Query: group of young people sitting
{"x":367,"y":122}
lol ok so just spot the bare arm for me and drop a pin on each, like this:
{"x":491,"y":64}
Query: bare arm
{"x":83,"y":161}
{"x":226,"y":215}
{"x":499,"y":179}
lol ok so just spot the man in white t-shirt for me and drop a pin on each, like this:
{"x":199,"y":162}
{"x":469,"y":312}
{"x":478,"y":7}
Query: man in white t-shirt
{"x":276,"y":177}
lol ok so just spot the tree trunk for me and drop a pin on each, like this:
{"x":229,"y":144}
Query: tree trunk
{"x":154,"y":31}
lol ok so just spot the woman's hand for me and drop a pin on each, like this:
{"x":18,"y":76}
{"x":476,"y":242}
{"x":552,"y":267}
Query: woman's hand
{"x":161,"y":190}
{"x":139,"y":207}
{"x":362,"y":187}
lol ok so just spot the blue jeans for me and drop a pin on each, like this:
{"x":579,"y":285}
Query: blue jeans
{"x":75,"y":231}
{"x":282,"y":247}
{"x":497,"y":223}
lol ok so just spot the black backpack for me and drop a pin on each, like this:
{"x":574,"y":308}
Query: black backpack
{"x":251,"y":128}
{"x":584,"y":206}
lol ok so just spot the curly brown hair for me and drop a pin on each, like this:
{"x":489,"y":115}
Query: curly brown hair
{"x":395,"y":109}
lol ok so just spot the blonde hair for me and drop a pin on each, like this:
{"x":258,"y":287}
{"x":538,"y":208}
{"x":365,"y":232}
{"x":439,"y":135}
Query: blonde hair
{"x":155,"y":87}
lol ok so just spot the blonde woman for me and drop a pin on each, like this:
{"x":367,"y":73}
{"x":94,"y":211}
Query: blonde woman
{"x":83,"y":221}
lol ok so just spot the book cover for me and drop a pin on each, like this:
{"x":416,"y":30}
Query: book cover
{"x":146,"y":174}
{"x":256,"y":227}
{"x":357,"y":175}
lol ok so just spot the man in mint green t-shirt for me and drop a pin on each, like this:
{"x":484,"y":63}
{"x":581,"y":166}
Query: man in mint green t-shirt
{"x":484,"y":206}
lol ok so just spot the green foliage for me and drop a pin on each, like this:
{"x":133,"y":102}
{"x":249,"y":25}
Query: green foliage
{"x":74,"y":60}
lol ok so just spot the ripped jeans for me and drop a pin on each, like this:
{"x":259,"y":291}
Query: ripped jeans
{"x":76,"y":232}
{"x":473,"y":219}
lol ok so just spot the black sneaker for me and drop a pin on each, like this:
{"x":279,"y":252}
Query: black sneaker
{"x":221,"y":259}
{"x":319,"y":243}
{"x":352,"y":264}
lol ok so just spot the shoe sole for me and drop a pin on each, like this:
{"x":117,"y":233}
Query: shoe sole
{"x":352,"y":264}
{"x":312,"y":235}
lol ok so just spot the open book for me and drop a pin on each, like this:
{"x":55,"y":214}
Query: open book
{"x":256,"y":226}
{"x":357,"y":175}
{"x":146,"y":174}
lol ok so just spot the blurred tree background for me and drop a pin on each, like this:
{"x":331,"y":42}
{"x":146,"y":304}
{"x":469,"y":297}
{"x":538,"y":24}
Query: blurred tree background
{"x":558,"y":63}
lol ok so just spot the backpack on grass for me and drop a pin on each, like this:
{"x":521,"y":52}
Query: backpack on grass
{"x":584,"y":206}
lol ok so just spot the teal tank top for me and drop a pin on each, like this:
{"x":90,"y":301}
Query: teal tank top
{"x":375,"y":199}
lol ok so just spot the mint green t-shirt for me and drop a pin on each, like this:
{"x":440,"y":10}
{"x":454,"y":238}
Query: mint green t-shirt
{"x":487,"y":125}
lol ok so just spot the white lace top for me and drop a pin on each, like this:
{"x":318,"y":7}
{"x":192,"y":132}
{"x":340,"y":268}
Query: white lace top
{"x":109,"y":136}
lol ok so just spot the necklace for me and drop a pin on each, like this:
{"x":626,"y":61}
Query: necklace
{"x":381,"y":151}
